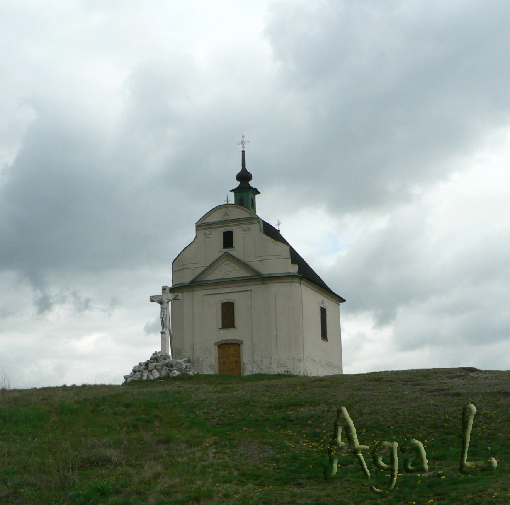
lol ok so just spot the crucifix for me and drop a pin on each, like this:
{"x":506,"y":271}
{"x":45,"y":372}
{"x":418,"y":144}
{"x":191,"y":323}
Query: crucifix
{"x":278,"y":224}
{"x":166,"y":334}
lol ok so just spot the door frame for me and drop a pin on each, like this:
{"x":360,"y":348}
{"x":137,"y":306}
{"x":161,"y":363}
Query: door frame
{"x":228,"y":341}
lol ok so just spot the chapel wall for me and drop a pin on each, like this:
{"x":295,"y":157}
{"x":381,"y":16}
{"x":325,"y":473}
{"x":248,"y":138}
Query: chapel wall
{"x":212,"y":332}
{"x":289,"y":328}
{"x":277,"y":335}
{"x":277,"y":319}
{"x":183,"y":325}
{"x":321,"y":357}
{"x":197,"y":325}
{"x":263,"y":356}
{"x":186,"y":263}
{"x":225,"y":212}
{"x":268,"y":321}
{"x":251,"y":245}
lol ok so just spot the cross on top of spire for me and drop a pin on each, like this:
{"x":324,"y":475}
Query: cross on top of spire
{"x":243,"y":142}
{"x":244,"y":194}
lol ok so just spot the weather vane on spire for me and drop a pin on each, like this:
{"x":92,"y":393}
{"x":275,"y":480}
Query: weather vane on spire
{"x":243,"y":142}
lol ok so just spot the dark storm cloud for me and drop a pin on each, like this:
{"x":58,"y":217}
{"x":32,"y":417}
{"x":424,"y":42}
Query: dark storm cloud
{"x":118,"y":131}
{"x":69,"y":202}
{"x":83,"y":196}
{"x":390,"y":92}
{"x":373,"y":99}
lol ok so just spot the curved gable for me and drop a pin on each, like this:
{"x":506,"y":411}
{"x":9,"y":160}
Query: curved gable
{"x":226,"y":211}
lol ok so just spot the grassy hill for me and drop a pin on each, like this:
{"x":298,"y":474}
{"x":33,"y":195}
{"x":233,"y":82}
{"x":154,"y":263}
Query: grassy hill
{"x":259,"y":439}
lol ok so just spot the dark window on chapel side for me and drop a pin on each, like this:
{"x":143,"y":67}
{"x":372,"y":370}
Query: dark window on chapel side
{"x":228,"y":239}
{"x":324,"y":329}
{"x":227,"y":315}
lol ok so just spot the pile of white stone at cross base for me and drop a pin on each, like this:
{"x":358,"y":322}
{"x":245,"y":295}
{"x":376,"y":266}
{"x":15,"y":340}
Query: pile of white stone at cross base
{"x":157,"y":366}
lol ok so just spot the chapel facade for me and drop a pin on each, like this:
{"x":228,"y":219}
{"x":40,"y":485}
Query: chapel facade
{"x":249,"y":303}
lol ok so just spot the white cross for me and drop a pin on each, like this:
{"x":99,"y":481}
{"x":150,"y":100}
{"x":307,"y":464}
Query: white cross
{"x":166,"y":334}
{"x":243,"y":142}
{"x":278,"y":225}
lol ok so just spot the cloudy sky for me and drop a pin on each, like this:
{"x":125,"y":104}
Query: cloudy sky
{"x":379,"y":136}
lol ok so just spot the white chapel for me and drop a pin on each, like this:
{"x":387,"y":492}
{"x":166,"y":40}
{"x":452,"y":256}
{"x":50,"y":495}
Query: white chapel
{"x":245,"y":302}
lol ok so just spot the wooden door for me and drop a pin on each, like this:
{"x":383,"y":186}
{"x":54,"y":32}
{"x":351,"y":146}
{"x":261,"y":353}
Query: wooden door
{"x":229,"y":359}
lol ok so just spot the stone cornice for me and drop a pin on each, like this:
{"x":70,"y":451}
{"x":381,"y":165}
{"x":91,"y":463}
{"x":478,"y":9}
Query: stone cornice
{"x":257,"y":279}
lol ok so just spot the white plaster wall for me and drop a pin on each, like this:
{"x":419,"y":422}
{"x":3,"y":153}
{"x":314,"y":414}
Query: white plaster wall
{"x":289,"y":328}
{"x":277,"y":326}
{"x":196,"y":325}
{"x":218,"y":213}
{"x":321,"y":357}
{"x":182,"y":325}
{"x":185,"y":263}
{"x":268,"y":321}
{"x":250,"y":245}
{"x":211,"y":325}
{"x":277,"y":319}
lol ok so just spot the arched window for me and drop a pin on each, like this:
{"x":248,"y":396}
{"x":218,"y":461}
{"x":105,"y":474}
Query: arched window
{"x":227,"y":315}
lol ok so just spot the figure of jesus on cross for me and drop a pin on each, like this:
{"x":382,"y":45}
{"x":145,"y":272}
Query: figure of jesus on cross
{"x":166,"y":334}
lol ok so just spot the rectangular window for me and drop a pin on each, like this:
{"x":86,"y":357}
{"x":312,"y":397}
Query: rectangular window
{"x":228,"y":239}
{"x":227,"y":315}
{"x":324,"y":328}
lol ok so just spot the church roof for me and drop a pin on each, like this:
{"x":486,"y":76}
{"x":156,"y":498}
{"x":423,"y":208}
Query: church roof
{"x":304,"y":268}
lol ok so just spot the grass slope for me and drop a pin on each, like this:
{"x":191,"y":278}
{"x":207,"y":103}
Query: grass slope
{"x":258,"y":439}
